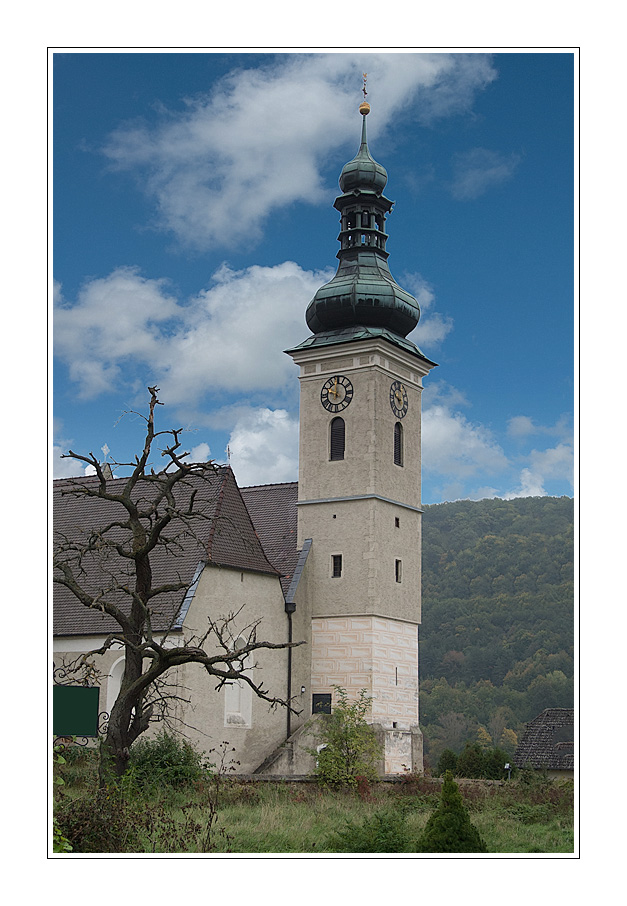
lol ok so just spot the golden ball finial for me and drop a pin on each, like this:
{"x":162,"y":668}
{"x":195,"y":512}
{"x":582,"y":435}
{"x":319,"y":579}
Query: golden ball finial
{"x":364,"y":108}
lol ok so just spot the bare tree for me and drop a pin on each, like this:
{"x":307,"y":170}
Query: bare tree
{"x":151,"y":514}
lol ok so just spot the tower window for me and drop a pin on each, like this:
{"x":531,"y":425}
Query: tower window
{"x":398,"y":567}
{"x":397,"y":522}
{"x":338,"y":438}
{"x":336,"y":566}
{"x":398,"y":444}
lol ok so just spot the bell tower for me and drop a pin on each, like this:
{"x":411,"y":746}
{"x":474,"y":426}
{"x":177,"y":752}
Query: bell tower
{"x":359,"y":470}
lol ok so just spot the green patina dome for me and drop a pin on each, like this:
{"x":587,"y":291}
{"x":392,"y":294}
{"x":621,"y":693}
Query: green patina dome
{"x":363,"y":292}
{"x":363,"y":172}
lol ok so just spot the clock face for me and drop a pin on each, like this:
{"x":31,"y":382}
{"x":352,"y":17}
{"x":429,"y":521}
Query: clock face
{"x":336,"y":393}
{"x":398,"y":399}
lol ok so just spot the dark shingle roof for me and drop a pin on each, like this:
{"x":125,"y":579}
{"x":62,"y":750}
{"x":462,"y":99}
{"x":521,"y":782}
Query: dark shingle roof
{"x":272,"y":508}
{"x":548,"y":741}
{"x":224,"y":537}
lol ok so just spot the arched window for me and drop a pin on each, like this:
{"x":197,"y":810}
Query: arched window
{"x":114,"y":682}
{"x":338,"y":438}
{"x":238,"y":694}
{"x":398,"y":444}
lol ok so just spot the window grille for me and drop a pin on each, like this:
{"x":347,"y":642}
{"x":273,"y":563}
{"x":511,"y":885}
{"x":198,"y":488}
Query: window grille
{"x":336,"y":570}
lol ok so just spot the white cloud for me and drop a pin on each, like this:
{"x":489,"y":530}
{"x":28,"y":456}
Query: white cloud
{"x":556,"y":463}
{"x":259,"y":141}
{"x":229,"y":339}
{"x":64,"y":468}
{"x":264,"y":447}
{"x":453,"y":446}
{"x":432,"y":327}
{"x":118,"y":319}
{"x":521,"y":426}
{"x":477,"y":170}
{"x":199,"y":453}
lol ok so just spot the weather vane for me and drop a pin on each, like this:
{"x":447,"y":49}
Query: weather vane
{"x":365,"y":75}
{"x":105,"y":450}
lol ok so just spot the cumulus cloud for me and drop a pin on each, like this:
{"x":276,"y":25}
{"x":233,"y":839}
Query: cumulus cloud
{"x":263,"y":447}
{"x":555,"y":463}
{"x":64,"y":468}
{"x":455,"y":447}
{"x":433,"y":327}
{"x":259,"y":141}
{"x":228,"y":338}
{"x":477,"y":170}
{"x":200,"y":453}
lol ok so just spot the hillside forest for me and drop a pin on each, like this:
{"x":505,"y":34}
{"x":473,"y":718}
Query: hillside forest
{"x":497,"y":635}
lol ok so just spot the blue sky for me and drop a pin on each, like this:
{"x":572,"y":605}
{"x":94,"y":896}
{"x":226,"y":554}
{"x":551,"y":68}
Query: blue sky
{"x":193,"y":222}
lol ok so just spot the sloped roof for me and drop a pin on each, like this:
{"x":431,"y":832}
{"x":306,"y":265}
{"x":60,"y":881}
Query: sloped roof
{"x":223,"y":536}
{"x":548,"y":741}
{"x":272,"y":508}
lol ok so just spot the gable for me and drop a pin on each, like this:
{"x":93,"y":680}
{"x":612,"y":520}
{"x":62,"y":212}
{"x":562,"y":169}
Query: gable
{"x":223,"y":536}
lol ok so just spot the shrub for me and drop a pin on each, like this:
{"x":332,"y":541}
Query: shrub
{"x":351,"y":749}
{"x":103,"y":823}
{"x":476,"y":762}
{"x":471,"y":761}
{"x":383,"y":832}
{"x":447,"y":762}
{"x":165,"y":760}
{"x":449,"y":829}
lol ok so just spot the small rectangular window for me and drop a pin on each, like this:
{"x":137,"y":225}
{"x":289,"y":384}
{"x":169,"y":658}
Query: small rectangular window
{"x":399,"y":570}
{"x":397,"y":522}
{"x":336,"y":566}
{"x":321,"y":703}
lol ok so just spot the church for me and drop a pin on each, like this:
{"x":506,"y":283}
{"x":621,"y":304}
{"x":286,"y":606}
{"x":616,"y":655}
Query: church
{"x":333,"y":560}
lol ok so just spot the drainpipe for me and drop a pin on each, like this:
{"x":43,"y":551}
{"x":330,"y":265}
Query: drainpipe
{"x":289,"y":609}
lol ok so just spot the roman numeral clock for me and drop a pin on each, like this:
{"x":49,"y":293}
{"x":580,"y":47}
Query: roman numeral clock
{"x":336,"y":393}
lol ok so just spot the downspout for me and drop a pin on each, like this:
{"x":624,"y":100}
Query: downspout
{"x":289,"y":609}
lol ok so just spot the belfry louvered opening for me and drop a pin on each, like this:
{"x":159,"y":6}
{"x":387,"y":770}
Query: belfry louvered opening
{"x":338,"y":438}
{"x":398,"y":444}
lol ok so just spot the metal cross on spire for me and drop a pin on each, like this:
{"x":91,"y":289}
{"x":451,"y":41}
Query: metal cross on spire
{"x":365,"y":75}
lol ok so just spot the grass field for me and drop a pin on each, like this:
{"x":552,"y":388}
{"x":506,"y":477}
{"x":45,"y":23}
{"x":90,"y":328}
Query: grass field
{"x":535,"y":816}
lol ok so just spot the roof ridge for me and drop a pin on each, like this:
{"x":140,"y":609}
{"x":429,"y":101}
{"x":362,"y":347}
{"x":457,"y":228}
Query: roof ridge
{"x":271,"y":484}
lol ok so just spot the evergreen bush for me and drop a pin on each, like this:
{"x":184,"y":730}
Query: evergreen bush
{"x":449,"y":829}
{"x":447,"y":762}
{"x":382,"y":832}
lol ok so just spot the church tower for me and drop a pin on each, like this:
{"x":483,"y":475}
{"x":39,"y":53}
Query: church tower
{"x":359,"y":472}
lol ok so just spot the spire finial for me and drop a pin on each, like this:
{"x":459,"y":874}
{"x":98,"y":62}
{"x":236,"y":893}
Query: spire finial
{"x":364,"y":107}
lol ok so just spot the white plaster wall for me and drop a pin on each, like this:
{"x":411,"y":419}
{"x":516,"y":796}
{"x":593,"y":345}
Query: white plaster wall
{"x":368,"y":466}
{"x":250,"y":597}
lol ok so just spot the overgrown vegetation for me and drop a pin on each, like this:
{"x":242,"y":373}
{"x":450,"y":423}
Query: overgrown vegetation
{"x":496,"y":640}
{"x":220,"y":814}
{"x":350,"y":750}
{"x":475,"y":762}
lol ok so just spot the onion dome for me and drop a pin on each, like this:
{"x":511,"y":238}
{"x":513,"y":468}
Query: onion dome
{"x":363,"y":293}
{"x":363,"y":172}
